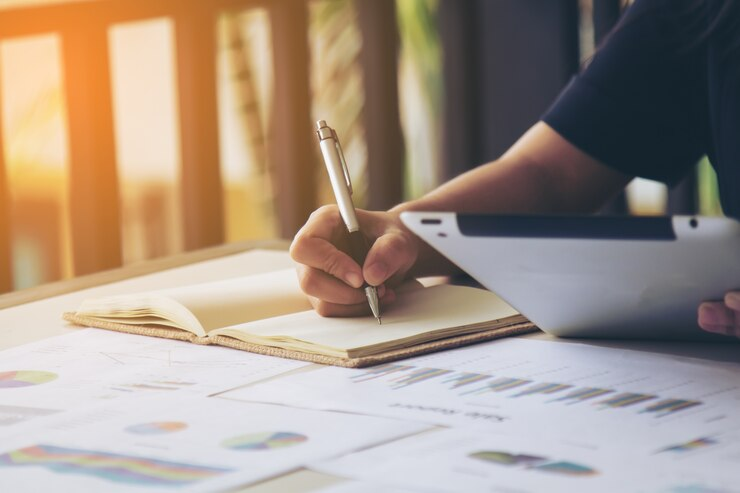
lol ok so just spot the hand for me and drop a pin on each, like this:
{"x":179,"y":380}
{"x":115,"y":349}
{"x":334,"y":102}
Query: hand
{"x":332,"y":279}
{"x":721,"y":317}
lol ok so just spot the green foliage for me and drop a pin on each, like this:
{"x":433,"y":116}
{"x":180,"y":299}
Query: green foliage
{"x":419,"y":34}
{"x":708,"y":189}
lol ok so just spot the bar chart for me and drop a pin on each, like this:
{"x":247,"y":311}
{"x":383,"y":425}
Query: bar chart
{"x":399,"y":377}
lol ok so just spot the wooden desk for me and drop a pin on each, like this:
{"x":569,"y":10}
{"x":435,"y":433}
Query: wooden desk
{"x":22,"y":321}
{"x":135,"y":270}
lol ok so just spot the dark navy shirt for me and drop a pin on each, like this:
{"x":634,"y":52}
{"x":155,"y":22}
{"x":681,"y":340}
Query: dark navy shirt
{"x":662,"y":91}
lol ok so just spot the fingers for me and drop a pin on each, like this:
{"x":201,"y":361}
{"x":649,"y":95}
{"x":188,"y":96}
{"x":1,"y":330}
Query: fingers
{"x":319,"y":284}
{"x":317,"y":245}
{"x":362,"y":309}
{"x":389,"y":258}
{"x":331,"y":278}
{"x":720,"y":318}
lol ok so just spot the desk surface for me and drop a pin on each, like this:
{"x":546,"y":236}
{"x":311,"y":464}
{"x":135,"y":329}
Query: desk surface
{"x":33,"y":314}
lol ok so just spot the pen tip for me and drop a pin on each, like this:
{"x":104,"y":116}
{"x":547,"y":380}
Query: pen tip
{"x":380,"y":322}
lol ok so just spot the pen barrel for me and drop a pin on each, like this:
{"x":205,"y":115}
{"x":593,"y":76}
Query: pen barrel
{"x":339,"y":185}
{"x":358,"y":247}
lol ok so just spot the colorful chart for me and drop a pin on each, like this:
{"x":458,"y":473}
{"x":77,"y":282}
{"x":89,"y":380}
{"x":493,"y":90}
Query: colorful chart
{"x":25,"y":378}
{"x":116,"y":468}
{"x":543,"y":388}
{"x":156,"y":428}
{"x":507,"y":459}
{"x":265,"y":441}
{"x":533,"y":463}
{"x":469,"y":384}
{"x":690,"y":445}
{"x":500,"y":385}
{"x":583,"y":394}
{"x":625,"y":399}
{"x":379,"y":371}
{"x":668,"y":406}
{"x":566,"y":468}
{"x":461,"y":379}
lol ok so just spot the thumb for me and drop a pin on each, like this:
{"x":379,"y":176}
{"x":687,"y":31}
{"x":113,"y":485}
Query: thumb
{"x":390,"y":258}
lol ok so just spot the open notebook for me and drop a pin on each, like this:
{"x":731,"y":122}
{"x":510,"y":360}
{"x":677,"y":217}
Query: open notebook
{"x":268,"y":314}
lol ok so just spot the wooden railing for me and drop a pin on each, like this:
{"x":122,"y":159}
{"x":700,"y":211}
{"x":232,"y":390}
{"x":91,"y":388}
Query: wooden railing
{"x":94,"y":189}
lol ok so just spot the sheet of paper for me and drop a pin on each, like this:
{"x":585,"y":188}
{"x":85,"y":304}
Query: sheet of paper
{"x":209,"y":305}
{"x":91,"y":365}
{"x":576,"y":389}
{"x":464,"y":459}
{"x":224,"y":303}
{"x":191,"y":444}
{"x":419,"y":311}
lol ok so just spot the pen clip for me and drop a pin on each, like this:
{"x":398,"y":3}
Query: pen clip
{"x":345,"y":170}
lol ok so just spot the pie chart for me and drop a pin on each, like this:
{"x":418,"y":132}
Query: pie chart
{"x":25,"y":378}
{"x":265,"y":441}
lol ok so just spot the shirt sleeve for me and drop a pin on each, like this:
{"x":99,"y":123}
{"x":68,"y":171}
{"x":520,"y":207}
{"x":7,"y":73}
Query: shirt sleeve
{"x":640,"y":105}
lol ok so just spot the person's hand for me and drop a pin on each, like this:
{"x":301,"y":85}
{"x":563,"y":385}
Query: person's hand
{"x":721,"y":317}
{"x":330,"y":277}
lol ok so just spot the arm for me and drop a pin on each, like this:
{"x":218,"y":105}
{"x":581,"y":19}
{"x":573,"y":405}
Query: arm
{"x":541,"y":173}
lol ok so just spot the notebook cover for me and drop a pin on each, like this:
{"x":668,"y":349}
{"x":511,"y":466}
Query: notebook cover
{"x":510,"y":327}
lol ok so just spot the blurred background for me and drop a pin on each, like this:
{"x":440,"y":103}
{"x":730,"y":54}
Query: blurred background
{"x":135,"y":129}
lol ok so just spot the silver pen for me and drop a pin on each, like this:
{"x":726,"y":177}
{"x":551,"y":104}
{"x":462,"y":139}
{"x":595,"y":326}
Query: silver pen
{"x":341,"y":184}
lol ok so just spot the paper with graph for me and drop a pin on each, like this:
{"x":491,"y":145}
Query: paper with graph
{"x":530,"y":385}
{"x":91,"y":366}
{"x":193,"y":444}
{"x":474,"y":460}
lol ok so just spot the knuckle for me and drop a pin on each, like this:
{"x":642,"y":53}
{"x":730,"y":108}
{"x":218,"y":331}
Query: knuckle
{"x":308,"y":280}
{"x":395,"y":246}
{"x":333,"y":265}
{"x":323,"y":213}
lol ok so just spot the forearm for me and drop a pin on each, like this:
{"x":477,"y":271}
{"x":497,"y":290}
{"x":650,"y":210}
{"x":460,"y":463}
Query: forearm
{"x":541,"y":173}
{"x":503,"y":186}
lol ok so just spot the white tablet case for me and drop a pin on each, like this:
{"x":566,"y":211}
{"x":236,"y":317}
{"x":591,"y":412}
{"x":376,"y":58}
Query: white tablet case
{"x":594,"y":276}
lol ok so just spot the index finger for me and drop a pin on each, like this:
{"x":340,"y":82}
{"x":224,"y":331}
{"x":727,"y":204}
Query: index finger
{"x":317,"y":245}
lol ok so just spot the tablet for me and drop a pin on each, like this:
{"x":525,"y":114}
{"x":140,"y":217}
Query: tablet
{"x":594,"y":276}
